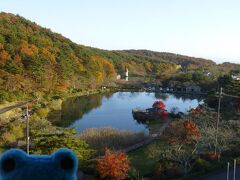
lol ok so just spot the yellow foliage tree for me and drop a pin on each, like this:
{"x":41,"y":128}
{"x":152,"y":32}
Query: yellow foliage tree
{"x":28,"y":49}
{"x":4,"y":57}
{"x":48,"y":55}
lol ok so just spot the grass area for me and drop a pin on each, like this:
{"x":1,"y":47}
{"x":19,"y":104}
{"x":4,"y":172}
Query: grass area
{"x":7,"y":104}
{"x":214,"y":166}
{"x":7,"y":116}
{"x":101,"y":138}
{"x":141,"y":161}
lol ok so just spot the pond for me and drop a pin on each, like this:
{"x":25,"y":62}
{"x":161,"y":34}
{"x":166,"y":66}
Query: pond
{"x":115,"y":109}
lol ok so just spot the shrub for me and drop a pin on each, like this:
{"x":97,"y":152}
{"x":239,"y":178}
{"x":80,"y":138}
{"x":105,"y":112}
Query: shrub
{"x":211,"y":156}
{"x":113,"y":165}
{"x":42,"y":112}
{"x":47,"y":143}
{"x":8,"y":137}
{"x":13,"y":133}
{"x":167,"y":170}
{"x":7,"y":116}
{"x":55,"y":104}
{"x":12,"y":95}
{"x":37,"y":123}
{"x":201,"y":164}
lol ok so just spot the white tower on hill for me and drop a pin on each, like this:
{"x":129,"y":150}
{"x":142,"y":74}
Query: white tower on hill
{"x":126,"y":74}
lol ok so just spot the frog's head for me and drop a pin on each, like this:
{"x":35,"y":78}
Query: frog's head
{"x":16,"y":164}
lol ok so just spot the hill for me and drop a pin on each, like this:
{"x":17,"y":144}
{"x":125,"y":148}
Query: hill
{"x":33,"y":59}
{"x":173,"y":58}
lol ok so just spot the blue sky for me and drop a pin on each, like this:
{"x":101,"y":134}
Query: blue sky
{"x":201,"y":28}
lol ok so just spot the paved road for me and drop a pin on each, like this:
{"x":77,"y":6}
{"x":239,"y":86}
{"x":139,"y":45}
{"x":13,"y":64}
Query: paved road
{"x":222,"y":175}
{"x":5,"y":109}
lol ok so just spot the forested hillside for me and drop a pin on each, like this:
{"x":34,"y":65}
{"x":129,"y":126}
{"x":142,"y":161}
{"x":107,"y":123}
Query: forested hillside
{"x":33,"y":59}
{"x":185,"y":61}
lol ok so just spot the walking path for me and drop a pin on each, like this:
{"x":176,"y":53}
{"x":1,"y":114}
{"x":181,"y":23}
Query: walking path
{"x":150,"y":139}
{"x":8,"y":108}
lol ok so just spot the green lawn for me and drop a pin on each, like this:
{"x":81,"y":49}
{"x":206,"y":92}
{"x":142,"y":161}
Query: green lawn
{"x":141,"y":161}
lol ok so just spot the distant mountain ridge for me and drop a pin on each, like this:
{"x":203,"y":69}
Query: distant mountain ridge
{"x":32,"y":57}
{"x":170,"y":57}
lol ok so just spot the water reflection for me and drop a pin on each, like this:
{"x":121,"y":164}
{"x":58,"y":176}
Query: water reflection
{"x":115,"y":109}
{"x":122,"y":95}
{"x":161,"y":96}
{"x":74,"y":108}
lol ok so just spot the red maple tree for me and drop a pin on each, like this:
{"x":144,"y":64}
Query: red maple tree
{"x":113,"y":165}
{"x":181,"y":132}
{"x":159,"y":104}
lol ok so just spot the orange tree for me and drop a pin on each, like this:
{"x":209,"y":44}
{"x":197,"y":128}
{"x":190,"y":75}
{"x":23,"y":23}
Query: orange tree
{"x":183,"y":138}
{"x":113,"y":165}
{"x":181,"y":147}
{"x":182,"y":132}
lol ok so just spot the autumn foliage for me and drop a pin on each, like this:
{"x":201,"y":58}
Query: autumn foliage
{"x":212,"y":156}
{"x":31,"y":52}
{"x":113,"y":165}
{"x":45,"y":61}
{"x":196,"y":111}
{"x":191,"y":130}
{"x":159,"y":104}
{"x":183,"y":132}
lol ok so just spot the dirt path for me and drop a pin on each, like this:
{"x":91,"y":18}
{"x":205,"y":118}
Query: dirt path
{"x":8,"y":108}
{"x":146,"y":141}
{"x":150,"y":139}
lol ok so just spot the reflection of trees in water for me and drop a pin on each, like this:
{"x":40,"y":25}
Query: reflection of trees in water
{"x":126,"y":95}
{"x":161,"y":96}
{"x":139,"y":121}
{"x":185,"y":97}
{"x":108,"y":95}
{"x":152,"y":126}
{"x":149,"y":94}
{"x":74,"y":108}
{"x":174,"y":110}
{"x":134,"y":94}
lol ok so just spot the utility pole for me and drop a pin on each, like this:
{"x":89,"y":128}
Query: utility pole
{"x":27,"y":130}
{"x":228,"y":166}
{"x":217,"y":124}
{"x":234,"y":169}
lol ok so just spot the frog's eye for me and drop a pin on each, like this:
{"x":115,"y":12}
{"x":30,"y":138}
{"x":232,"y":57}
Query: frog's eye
{"x":8,"y":165}
{"x":66,"y":160}
{"x":11,"y":160}
{"x":67,"y":163}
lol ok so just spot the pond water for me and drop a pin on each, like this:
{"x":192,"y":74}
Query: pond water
{"x":115,"y":109}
